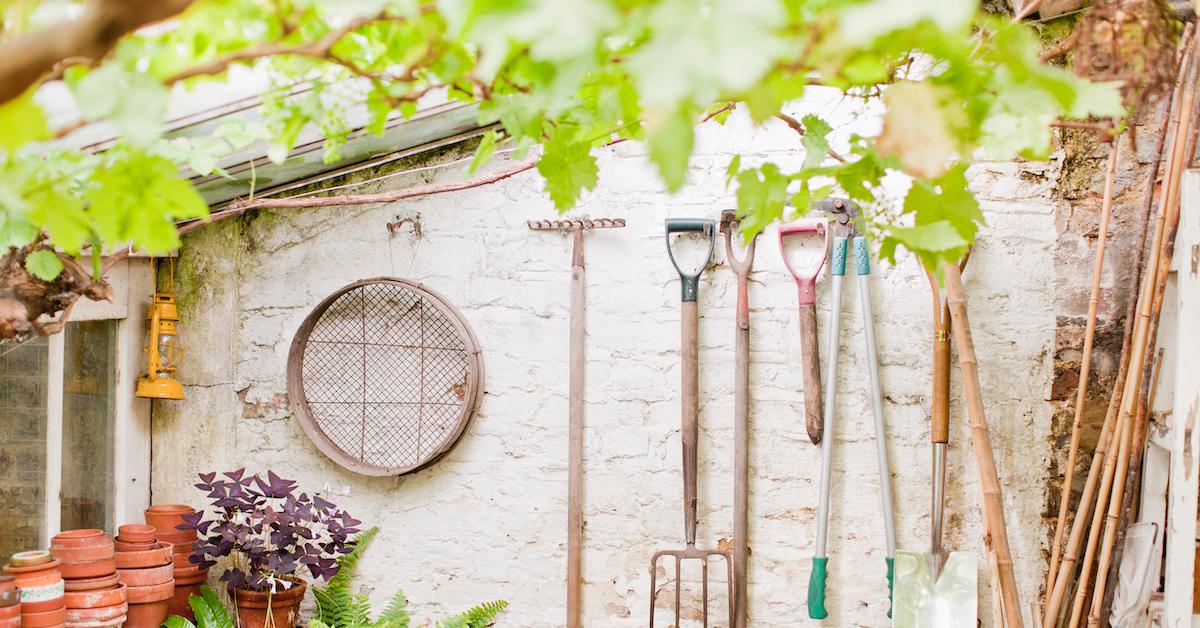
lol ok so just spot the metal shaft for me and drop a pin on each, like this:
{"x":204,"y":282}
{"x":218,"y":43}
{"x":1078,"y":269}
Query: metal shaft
{"x":830,"y":396}
{"x":885,"y":483}
{"x":939,"y":501}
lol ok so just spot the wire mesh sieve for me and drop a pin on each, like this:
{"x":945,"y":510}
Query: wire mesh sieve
{"x":384,"y":376}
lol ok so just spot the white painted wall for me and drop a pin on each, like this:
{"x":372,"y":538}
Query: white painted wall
{"x":488,"y":520}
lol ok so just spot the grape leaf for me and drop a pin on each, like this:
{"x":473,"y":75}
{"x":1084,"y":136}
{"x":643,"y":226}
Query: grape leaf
{"x":568,"y":167}
{"x":43,"y":264}
{"x":670,"y":142}
{"x":22,"y":121}
{"x":916,"y":128}
{"x":864,"y":22}
{"x":815,"y":140}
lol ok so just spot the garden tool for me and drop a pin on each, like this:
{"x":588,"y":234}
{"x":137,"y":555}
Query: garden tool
{"x":806,"y":284}
{"x":845,"y":232}
{"x":741,"y":415}
{"x":575,"y":227}
{"x":690,"y":428}
{"x":926,"y":595}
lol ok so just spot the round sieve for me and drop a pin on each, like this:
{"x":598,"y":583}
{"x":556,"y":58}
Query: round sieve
{"x":384,"y":376}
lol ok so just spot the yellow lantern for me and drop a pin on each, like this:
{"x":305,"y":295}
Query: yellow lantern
{"x":162,"y":351}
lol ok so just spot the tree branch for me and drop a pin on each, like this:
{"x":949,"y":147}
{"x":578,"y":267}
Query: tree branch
{"x":26,"y":59}
{"x":799,"y":129}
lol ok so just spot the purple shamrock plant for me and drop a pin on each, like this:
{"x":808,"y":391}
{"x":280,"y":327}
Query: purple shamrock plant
{"x":271,"y":533}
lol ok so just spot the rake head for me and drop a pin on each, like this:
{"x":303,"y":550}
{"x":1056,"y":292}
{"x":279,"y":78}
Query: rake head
{"x":702,"y":556}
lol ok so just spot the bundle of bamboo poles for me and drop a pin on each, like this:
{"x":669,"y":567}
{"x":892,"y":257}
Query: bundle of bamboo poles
{"x":1104,"y":508}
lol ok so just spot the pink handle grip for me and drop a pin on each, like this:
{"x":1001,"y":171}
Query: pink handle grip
{"x":807,"y":284}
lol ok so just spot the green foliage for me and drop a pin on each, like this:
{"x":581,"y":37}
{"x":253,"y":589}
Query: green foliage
{"x":339,"y":607}
{"x":569,"y":75}
{"x":207,"y":608}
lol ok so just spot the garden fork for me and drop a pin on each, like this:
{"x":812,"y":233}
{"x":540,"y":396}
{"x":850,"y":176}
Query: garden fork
{"x":690,"y":429}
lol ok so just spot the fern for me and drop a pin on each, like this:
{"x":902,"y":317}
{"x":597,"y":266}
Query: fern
{"x":480,"y":616}
{"x":209,"y":611}
{"x":338,"y":607}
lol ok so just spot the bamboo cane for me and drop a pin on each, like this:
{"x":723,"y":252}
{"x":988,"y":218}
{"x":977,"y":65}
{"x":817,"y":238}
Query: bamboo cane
{"x":989,"y":481}
{"x":1089,"y":337}
{"x":1141,"y":423}
{"x":1079,"y":526}
{"x":1133,"y":381}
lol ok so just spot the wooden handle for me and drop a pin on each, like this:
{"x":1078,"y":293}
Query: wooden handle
{"x":810,"y":360}
{"x":689,"y":432}
{"x":939,"y":428}
{"x":575,"y":442}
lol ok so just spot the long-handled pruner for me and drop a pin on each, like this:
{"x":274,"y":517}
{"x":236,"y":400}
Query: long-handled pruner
{"x":690,"y":427}
{"x":844,"y":213}
{"x":741,"y":414}
{"x":806,"y":285}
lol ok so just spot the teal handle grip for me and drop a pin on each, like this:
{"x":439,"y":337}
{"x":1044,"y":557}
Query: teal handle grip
{"x":838,"y":267}
{"x":891,"y":564}
{"x":690,"y":283}
{"x":862,"y":257}
{"x":816,"y":584}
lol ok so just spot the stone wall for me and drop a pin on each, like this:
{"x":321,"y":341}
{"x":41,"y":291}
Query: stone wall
{"x":488,"y":520}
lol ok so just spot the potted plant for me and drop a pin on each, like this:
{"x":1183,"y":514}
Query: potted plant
{"x":271,"y":537}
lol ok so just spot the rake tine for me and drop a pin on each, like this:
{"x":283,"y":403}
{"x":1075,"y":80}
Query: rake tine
{"x":704,"y":587}
{"x":729,"y":586}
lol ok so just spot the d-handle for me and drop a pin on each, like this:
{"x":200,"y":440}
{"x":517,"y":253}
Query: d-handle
{"x":690,"y":282}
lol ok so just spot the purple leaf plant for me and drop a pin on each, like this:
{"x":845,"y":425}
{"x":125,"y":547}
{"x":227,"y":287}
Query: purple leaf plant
{"x":272,"y":532}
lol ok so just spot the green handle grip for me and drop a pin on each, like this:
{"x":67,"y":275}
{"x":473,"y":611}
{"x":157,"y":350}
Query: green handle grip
{"x":816,"y":588}
{"x":891,"y":563}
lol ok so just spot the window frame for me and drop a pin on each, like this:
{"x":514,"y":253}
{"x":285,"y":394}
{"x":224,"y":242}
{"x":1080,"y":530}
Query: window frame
{"x":132,"y":280}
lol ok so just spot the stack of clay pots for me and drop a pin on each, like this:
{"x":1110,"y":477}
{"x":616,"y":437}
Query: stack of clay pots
{"x":144,"y":565}
{"x":188,"y":577}
{"x":93,"y":596}
{"x":38,"y":577}
{"x":10,"y":603}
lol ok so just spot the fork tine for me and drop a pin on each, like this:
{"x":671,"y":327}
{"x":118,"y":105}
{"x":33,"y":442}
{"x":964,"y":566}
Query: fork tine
{"x":704,"y":587}
{"x":653,"y":586}
{"x":678,"y":587}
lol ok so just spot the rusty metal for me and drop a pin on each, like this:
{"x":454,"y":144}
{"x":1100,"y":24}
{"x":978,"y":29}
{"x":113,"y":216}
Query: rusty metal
{"x":394,"y":226}
{"x":384,"y":376}
{"x":571,"y":224}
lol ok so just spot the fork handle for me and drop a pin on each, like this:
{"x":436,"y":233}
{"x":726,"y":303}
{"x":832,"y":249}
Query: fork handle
{"x":816,"y":588}
{"x":811,"y":364}
{"x":689,"y":432}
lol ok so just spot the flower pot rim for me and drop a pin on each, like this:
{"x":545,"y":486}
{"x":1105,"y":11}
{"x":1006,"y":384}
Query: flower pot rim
{"x":150,"y":594}
{"x":53,"y":563}
{"x":92,"y":584}
{"x":169,"y":508}
{"x":87,"y":537}
{"x":86,"y":554}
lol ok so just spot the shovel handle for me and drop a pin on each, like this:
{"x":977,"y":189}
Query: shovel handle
{"x":690,"y":282}
{"x":816,"y":588}
{"x":806,"y":282}
{"x":810,"y":361}
{"x":939,"y":429}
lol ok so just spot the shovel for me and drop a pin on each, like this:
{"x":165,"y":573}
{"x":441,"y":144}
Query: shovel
{"x":933,"y":590}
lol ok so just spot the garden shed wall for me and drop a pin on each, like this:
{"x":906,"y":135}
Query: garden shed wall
{"x":488,"y":520}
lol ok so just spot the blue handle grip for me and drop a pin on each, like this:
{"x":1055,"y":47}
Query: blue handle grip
{"x":862,"y":256}
{"x":838,"y":267}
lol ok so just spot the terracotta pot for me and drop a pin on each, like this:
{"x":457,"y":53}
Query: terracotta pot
{"x":189,"y":573}
{"x":91,"y":584}
{"x":152,"y":593}
{"x":8,"y":583}
{"x":96,"y":613}
{"x":164,"y":517}
{"x":79,"y":538}
{"x":96,"y":598}
{"x":123,"y":546}
{"x":10,"y":622}
{"x":284,"y":605}
{"x":156,"y":555}
{"x":136,"y":533}
{"x":178,"y":604}
{"x":38,"y":606}
{"x":89,"y":569}
{"x":150,"y":615}
{"x":180,"y":539}
{"x":29,"y":559}
{"x":44,"y":619}
{"x":9,"y":612}
{"x":10,"y":597}
{"x":36,"y":575}
{"x":147,"y":576}
{"x":181,"y":561}
{"x":83,"y":554}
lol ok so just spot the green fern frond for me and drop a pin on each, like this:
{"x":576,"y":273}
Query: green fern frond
{"x":479,"y":616}
{"x":348,"y":562}
{"x":396,"y":614}
{"x":337,"y":607}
